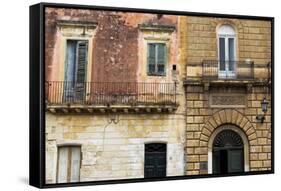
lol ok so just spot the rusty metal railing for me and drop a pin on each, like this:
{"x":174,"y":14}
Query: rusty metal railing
{"x":109,"y":93}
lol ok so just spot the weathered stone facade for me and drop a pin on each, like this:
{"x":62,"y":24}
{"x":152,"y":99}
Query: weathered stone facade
{"x":112,"y":136}
{"x":203,"y":120}
{"x":217,"y":104}
{"x":113,"y":150}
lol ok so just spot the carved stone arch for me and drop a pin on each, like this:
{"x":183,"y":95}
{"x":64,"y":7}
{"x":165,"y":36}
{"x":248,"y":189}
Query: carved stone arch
{"x":228,"y":119}
{"x":227,"y":116}
{"x":236,"y":24}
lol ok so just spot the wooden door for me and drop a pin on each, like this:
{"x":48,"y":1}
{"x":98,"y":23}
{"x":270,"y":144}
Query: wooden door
{"x":155,"y":160}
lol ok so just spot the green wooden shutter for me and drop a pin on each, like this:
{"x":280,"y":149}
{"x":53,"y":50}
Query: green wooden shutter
{"x":151,"y":58}
{"x":82,"y":49}
{"x":161,"y":58}
{"x":81,"y":63}
{"x":235,"y":160}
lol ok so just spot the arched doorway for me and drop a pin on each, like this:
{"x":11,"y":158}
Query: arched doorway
{"x":228,"y":153}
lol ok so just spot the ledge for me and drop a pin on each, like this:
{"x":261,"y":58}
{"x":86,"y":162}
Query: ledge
{"x":153,"y":27}
{"x":66,"y":23}
{"x":198,"y":81}
{"x":89,"y":109}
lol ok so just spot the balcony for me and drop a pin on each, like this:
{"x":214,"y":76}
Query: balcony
{"x":227,"y":72}
{"x":104,"y":97}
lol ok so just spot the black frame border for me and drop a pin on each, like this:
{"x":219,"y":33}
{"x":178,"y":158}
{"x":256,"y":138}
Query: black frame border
{"x":37,"y":93}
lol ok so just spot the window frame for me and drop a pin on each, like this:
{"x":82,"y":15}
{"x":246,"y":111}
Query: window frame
{"x":69,"y":147}
{"x":156,"y":73}
{"x":227,"y":34}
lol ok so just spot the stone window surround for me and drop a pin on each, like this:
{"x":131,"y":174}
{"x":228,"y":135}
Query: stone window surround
{"x":236,"y":37}
{"x":72,"y":30}
{"x":155,"y":34}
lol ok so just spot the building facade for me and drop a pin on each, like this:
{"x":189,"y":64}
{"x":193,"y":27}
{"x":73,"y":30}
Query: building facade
{"x":227,"y":78}
{"x":114,"y":103}
{"x":134,"y":95}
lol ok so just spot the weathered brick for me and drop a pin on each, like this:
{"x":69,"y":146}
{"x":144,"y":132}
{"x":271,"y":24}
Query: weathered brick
{"x":192,"y":96}
{"x":198,"y":119}
{"x":193,"y":158}
{"x":198,"y":104}
{"x":254,"y":164}
{"x":267,"y":163}
{"x":201,"y":150}
{"x":262,"y":156}
{"x":189,"y":119}
{"x":266,"y":148}
{"x":256,"y":149}
{"x":192,"y":143}
{"x":253,"y":156}
{"x":262,"y":141}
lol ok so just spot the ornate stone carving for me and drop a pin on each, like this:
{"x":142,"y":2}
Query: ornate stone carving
{"x":228,"y":100}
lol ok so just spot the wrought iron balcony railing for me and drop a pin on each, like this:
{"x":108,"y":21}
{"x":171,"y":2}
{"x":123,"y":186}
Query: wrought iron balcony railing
{"x":227,"y":70}
{"x":110,"y":93}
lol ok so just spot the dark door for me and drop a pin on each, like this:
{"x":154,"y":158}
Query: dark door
{"x":228,"y":153}
{"x":155,"y":160}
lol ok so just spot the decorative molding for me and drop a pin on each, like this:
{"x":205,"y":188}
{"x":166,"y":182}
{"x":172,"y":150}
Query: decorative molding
{"x":228,"y":101}
{"x":77,"y":28}
{"x":66,"y":23}
{"x":158,"y":28}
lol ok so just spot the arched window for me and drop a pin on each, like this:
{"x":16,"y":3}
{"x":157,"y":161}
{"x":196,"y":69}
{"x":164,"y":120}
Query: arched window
{"x":227,"y":51}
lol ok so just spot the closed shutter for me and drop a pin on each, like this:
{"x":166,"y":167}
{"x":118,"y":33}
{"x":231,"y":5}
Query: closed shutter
{"x":82,"y":50}
{"x":151,"y":59}
{"x":69,"y":159}
{"x":75,"y":164}
{"x":161,"y":58}
{"x":82,"y":53}
{"x":62,"y":165}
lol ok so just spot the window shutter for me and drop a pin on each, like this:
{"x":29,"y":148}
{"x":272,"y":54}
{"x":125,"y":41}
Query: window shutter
{"x":82,"y":53}
{"x":75,"y":164}
{"x":62,"y":164}
{"x":82,"y":47}
{"x":151,"y":58}
{"x":161,"y":58}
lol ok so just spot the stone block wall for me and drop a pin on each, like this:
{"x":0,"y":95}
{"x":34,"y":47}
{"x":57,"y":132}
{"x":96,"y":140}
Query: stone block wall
{"x":203,"y":120}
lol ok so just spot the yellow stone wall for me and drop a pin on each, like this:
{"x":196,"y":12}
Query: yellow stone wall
{"x":198,"y":43}
{"x":253,"y":41}
{"x":115,"y":151}
{"x":203,"y":120}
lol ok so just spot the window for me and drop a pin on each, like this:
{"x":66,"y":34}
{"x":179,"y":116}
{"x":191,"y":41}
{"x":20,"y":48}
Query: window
{"x":226,"y":51}
{"x":155,"y":160}
{"x":156,"y":59}
{"x":69,"y":159}
{"x":75,"y":72}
